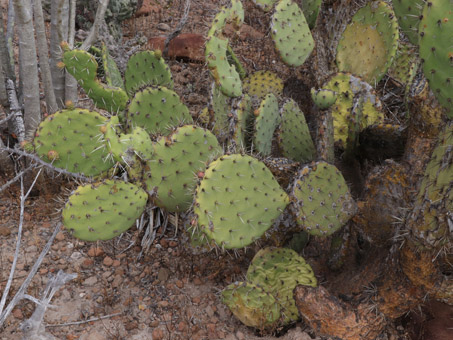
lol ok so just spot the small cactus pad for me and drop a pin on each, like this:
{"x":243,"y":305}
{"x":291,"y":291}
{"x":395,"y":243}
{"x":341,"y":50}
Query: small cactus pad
{"x":311,"y":9}
{"x":172,"y":172}
{"x":436,"y":50}
{"x":146,"y":68}
{"x":76,"y":137}
{"x":243,"y":116}
{"x":237,"y":201}
{"x":408,"y":13}
{"x":224,"y":74}
{"x":104,"y":210}
{"x":279,"y":271}
{"x":265,"y":5}
{"x":83,"y":67}
{"x":261,"y":83}
{"x":291,"y":34}
{"x":431,"y":222}
{"x":294,"y":137}
{"x":158,"y":110}
{"x":346,"y":118}
{"x":267,"y":120}
{"x":323,"y":203}
{"x":111,"y":71}
{"x":405,"y":65}
{"x":369,"y":43}
{"x":323,"y":98}
{"x":252,"y":305}
{"x":233,"y":15}
{"x":221,"y":107}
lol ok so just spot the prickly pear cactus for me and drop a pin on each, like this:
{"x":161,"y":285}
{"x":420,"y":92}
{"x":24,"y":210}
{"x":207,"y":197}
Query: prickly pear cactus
{"x":267,"y":120}
{"x":322,"y":201}
{"x":237,"y":201}
{"x":221,"y":107}
{"x":279,"y":271}
{"x":436,"y":50}
{"x":294,"y":137}
{"x":243,"y":118}
{"x":104,"y":210}
{"x":265,"y":5}
{"x":112,"y":73}
{"x":263,"y":82}
{"x":431,"y":222}
{"x":83,"y":67}
{"x":147,"y":68}
{"x":290,"y":33}
{"x":72,"y":140}
{"x":323,"y":98}
{"x":408,"y":13}
{"x":369,"y":43}
{"x":311,"y":10}
{"x":158,"y":110}
{"x":251,"y":304}
{"x":172,"y":172}
{"x":405,"y":65}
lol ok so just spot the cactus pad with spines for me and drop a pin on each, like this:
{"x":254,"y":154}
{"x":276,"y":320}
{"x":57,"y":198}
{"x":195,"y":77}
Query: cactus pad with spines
{"x":243,"y":116}
{"x":237,"y":201}
{"x":158,"y":110}
{"x":322,"y":201}
{"x":147,"y":68}
{"x":408,"y":13}
{"x":251,"y":304}
{"x":279,"y":271}
{"x":172,"y":171}
{"x":436,"y":50}
{"x":290,"y":33}
{"x":83,"y":67}
{"x":267,"y":120}
{"x":221,"y":107}
{"x":323,"y":98}
{"x":265,"y":5}
{"x":294,"y":137}
{"x":262,"y":82}
{"x":369,"y":43}
{"x":405,"y":65}
{"x":76,"y":137}
{"x":104,"y":210}
{"x":311,"y":9}
{"x":112,"y":73}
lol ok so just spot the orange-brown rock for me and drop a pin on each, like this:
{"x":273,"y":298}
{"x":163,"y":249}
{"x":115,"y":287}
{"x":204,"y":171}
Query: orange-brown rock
{"x":187,"y":45}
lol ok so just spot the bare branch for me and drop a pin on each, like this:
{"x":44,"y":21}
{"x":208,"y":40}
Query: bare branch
{"x":16,"y":178}
{"x":84,"y":321}
{"x":18,"y":126}
{"x":100,"y":14}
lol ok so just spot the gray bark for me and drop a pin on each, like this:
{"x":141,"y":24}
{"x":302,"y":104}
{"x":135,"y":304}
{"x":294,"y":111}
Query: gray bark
{"x":28,"y":64}
{"x":10,"y":37}
{"x":71,"y":82}
{"x":43,"y":53}
{"x":99,"y":19}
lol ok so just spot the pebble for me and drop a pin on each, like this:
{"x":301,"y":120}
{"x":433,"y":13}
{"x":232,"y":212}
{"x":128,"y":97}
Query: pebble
{"x":158,"y":334}
{"x":108,"y":261}
{"x":76,"y":255}
{"x":17,"y":313}
{"x":95,"y":251}
{"x":5,"y":231}
{"x":163,"y":274}
{"x":60,"y":236}
{"x":91,"y":281}
{"x":240,"y":335}
{"x":163,"y":27}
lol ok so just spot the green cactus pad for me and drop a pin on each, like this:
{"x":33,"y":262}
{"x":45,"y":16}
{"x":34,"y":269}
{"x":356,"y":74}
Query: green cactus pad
{"x":76,"y":136}
{"x":103,"y":210}
{"x":224,"y":74}
{"x":261,"y":83}
{"x":408,"y":13}
{"x":147,"y":68}
{"x":405,"y":65}
{"x":311,"y":9}
{"x":83,"y":67}
{"x":158,"y":110}
{"x":294,"y":137}
{"x":172,"y":172}
{"x":237,"y":201}
{"x":291,"y":34}
{"x":436,"y":50}
{"x":112,"y":73}
{"x":252,"y":305}
{"x":279,"y":271}
{"x":431,"y":221}
{"x":267,"y":120}
{"x":243,"y":118}
{"x":369,"y":43}
{"x":323,"y":203}
{"x":351,"y":90}
{"x":323,"y":98}
{"x":265,"y":5}
{"x":221,"y":106}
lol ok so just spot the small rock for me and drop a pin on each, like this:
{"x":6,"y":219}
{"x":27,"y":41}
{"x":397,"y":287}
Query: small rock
{"x":240,"y":335}
{"x":87,"y":263}
{"x":17,"y":313}
{"x":158,"y":334}
{"x":76,"y":255}
{"x":5,"y":231}
{"x":179,"y":284}
{"x":163,"y":303}
{"x":197,"y":281}
{"x":91,"y":281}
{"x":163,"y":274}
{"x":163,"y":27}
{"x":131,"y":325}
{"x":108,"y":261}
{"x":116,"y":263}
{"x":95,"y":251}
{"x":60,"y":236}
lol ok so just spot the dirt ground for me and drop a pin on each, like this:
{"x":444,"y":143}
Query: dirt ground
{"x":168,"y":292}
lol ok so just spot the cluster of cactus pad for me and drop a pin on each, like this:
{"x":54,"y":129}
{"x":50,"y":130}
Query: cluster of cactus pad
{"x":149,"y":138}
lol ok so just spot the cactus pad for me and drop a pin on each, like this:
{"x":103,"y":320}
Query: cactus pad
{"x":436,"y":50}
{"x":252,"y":305}
{"x":323,"y":203}
{"x":104,"y":210}
{"x":311,"y":9}
{"x":369,"y":43}
{"x":279,"y":271}
{"x":265,"y":5}
{"x":221,"y":106}
{"x":267,"y":120}
{"x":323,"y":98}
{"x":294,"y":137}
{"x":75,"y":139}
{"x":243,"y":115}
{"x":237,"y":201}
{"x":147,"y":68}
{"x":290,"y":33}
{"x":408,"y":13}
{"x":158,"y":110}
{"x":261,"y":83}
{"x":172,"y":172}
